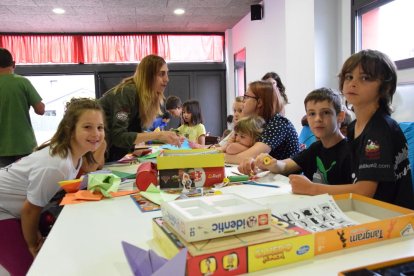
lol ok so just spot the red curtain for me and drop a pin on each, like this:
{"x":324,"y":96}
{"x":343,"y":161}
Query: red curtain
{"x":35,"y":49}
{"x":58,"y":49}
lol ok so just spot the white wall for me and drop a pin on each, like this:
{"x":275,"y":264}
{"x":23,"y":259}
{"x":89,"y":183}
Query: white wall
{"x":264,"y":41}
{"x":300,"y":57}
{"x":292,"y":40}
{"x":304,"y":41}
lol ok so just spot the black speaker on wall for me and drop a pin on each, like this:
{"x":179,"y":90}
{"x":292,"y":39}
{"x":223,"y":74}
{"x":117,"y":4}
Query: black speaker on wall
{"x":256,"y":12}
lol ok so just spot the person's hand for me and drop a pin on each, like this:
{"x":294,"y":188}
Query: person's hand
{"x":248,"y":166}
{"x":195,"y":145}
{"x":141,"y":152}
{"x":36,"y":248}
{"x":301,"y":185}
{"x":265,"y":162}
{"x":171,"y":137}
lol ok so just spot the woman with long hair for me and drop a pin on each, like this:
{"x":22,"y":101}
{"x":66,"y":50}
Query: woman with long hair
{"x":132,"y":106}
{"x":279,"y":137}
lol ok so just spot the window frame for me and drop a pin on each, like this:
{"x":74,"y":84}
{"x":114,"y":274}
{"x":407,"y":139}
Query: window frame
{"x":361,"y":6}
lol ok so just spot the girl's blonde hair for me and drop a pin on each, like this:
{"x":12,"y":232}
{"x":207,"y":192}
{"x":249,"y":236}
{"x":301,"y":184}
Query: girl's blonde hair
{"x":238,"y":99}
{"x":149,"y":101}
{"x":60,"y":142}
{"x":251,"y":126}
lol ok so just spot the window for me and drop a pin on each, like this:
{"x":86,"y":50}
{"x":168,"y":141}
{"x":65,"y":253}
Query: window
{"x":385,"y":25}
{"x":55,"y":91}
{"x":240,"y":72}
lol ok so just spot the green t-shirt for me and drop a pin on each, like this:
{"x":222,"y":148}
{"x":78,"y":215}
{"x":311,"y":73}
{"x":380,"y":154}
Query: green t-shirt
{"x":17,"y":94}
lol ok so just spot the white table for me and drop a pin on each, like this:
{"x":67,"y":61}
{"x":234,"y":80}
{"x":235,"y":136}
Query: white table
{"x":86,"y":240}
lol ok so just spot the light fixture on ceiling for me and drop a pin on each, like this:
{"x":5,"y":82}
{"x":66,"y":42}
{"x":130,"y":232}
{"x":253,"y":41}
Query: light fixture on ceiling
{"x":179,"y":11}
{"x":58,"y":11}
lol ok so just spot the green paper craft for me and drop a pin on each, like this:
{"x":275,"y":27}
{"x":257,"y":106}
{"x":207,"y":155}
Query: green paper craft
{"x":124,"y":170}
{"x":157,"y":196}
{"x":149,"y":156}
{"x":105,"y":183}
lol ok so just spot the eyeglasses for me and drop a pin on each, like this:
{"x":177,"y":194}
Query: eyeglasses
{"x":245,"y":97}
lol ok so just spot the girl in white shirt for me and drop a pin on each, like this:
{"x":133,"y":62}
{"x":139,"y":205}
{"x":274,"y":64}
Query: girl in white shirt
{"x":27,"y":185}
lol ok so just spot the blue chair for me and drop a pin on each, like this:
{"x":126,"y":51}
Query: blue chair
{"x":306,"y":137}
{"x":408,"y":130}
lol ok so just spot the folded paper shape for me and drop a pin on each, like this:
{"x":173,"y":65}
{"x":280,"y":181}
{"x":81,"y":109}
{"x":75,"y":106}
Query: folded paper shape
{"x":184,"y":145}
{"x":82,"y":196}
{"x":157,"y":196}
{"x":105,"y":183}
{"x":88,"y":195}
{"x":146,"y":174}
{"x":152,"y":155}
{"x":70,"y":186}
{"x":123,"y":170}
{"x":85,"y":178}
{"x":147,"y":262}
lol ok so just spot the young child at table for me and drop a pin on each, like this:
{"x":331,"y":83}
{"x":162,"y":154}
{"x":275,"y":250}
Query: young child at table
{"x":193,"y":128}
{"x":247,"y":131}
{"x":326,"y":161}
{"x":380,"y":167}
{"x":28,"y":184}
{"x":237,"y":114}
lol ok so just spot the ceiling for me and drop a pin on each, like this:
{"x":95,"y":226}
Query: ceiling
{"x":114,"y":16}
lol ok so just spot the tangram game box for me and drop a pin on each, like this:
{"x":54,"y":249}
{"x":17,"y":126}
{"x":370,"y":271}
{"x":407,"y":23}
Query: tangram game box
{"x":203,"y":218}
{"x":232,"y":255}
{"x":190,"y":168}
{"x":378,"y":221}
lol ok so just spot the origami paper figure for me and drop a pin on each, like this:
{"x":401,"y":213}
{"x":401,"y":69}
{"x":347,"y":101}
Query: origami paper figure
{"x":147,"y":262}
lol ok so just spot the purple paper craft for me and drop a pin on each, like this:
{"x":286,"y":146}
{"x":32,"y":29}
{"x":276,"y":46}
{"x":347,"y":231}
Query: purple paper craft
{"x":147,"y":262}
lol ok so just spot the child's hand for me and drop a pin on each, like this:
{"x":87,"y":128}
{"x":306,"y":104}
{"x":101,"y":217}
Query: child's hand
{"x":301,"y":185}
{"x":265,"y":162}
{"x":195,"y":145}
{"x":36,"y":248}
{"x":248,"y":167}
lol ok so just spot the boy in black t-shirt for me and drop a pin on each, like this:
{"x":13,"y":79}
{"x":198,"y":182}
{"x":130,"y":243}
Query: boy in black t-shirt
{"x":326,"y":161}
{"x":380,"y":167}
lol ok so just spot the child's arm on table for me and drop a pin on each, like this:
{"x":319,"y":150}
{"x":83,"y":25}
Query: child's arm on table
{"x":235,"y":148}
{"x":302,"y":185}
{"x":265,"y":162}
{"x":248,"y":154}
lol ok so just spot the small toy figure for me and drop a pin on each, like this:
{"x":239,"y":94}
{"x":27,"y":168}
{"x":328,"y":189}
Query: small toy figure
{"x":186,"y":181}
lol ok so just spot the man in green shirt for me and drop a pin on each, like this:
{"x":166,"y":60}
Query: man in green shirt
{"x":17,"y":94}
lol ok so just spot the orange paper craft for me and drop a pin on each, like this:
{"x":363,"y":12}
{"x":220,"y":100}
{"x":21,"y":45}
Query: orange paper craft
{"x":70,"y":186}
{"x":123,"y":193}
{"x":71,"y":199}
{"x":88,"y":195}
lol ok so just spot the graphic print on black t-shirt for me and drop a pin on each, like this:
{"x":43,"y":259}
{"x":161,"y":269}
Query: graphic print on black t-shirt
{"x":326,"y":165}
{"x":321,"y":174}
{"x":381,"y":155}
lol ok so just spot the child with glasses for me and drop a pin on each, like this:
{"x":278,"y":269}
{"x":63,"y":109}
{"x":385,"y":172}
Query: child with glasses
{"x":279,"y":137}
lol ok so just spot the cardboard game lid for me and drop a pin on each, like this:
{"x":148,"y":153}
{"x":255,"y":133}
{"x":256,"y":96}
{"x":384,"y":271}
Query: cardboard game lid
{"x":194,"y":158}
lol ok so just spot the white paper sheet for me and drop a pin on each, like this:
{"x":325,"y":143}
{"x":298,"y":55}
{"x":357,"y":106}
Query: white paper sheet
{"x":314,"y":213}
